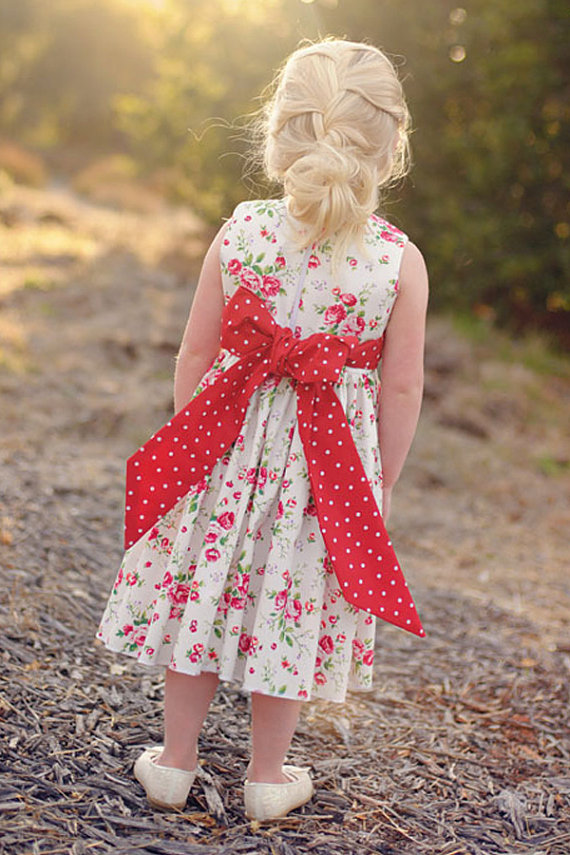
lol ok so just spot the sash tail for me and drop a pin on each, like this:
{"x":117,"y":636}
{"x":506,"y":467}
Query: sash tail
{"x":187,"y":447}
{"x":358,"y":544}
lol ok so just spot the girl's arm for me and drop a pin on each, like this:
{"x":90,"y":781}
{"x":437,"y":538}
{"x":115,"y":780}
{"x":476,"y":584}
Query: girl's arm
{"x":402,"y":372}
{"x":201,"y":340}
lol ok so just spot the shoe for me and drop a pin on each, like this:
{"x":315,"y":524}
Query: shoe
{"x":165,"y":786}
{"x":270,"y":801}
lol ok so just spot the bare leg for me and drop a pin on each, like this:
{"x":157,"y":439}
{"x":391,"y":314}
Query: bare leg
{"x":186,"y":703}
{"x":273,"y":724}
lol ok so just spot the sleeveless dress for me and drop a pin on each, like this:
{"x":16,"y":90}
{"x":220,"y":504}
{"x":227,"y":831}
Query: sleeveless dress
{"x":236,"y":578}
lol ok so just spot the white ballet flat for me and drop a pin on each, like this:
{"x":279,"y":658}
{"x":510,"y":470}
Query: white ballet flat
{"x":165,"y":786}
{"x":271,"y":801}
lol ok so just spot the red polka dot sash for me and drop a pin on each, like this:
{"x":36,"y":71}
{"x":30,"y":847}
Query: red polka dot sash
{"x":187,"y":448}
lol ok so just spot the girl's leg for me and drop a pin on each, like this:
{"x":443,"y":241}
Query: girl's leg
{"x":186,"y":703}
{"x":273,"y":724}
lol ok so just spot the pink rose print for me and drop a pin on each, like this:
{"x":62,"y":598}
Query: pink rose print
{"x":353,"y":262}
{"x":326,"y":643}
{"x":234,"y":266}
{"x":131,"y":579}
{"x":280,"y":261}
{"x":175,"y":612}
{"x":279,"y":513}
{"x":353,"y":326}
{"x":390,"y":236}
{"x":243,"y":587}
{"x":368,"y":657}
{"x":348,"y":299}
{"x":210,"y":537}
{"x":250,"y":279}
{"x":153,"y":534}
{"x":302,"y":693}
{"x":179,"y":593}
{"x":226,"y":520}
{"x":280,"y":600}
{"x":128,"y":628}
{"x":328,"y":565}
{"x":310,"y":510}
{"x":314,"y":261}
{"x":294,"y":609}
{"x":262,"y":477}
{"x":357,"y":648}
{"x":212,"y":554}
{"x":139,"y":637}
{"x":270,"y":286}
{"x":244,"y":642}
{"x":335,"y":314}
{"x":320,"y":678}
{"x":193,"y":625}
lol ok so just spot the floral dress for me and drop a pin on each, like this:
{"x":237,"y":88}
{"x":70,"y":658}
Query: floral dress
{"x":235,"y":579}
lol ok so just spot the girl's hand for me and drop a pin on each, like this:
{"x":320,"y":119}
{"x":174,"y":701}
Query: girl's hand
{"x":386,"y":503}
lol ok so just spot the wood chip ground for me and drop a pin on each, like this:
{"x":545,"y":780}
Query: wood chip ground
{"x":461,"y":748}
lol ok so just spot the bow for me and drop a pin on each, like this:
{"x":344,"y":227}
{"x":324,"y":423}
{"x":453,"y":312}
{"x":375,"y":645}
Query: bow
{"x":188,"y":446}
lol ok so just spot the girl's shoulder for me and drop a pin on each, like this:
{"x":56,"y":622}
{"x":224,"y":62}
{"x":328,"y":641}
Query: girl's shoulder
{"x":254,"y":209}
{"x":386,"y":231}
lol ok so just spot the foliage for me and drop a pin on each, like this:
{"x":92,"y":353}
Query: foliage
{"x":62,"y":62}
{"x":487,"y":201}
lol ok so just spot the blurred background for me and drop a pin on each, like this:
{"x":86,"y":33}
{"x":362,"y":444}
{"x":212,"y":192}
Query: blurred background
{"x":132,"y":100}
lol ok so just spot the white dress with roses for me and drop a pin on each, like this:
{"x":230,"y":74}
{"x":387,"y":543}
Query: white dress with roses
{"x":235,"y":579}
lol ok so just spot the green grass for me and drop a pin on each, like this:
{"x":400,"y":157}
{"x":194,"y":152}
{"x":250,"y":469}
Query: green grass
{"x":535,"y":351}
{"x":551,"y":466}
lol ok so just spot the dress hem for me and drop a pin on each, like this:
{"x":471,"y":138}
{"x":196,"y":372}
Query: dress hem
{"x":234,"y":681}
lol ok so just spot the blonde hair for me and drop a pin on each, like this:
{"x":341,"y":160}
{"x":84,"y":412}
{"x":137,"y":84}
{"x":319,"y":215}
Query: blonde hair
{"x":335,"y":131}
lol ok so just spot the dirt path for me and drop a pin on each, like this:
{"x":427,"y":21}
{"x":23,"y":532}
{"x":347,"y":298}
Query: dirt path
{"x":462,"y":747}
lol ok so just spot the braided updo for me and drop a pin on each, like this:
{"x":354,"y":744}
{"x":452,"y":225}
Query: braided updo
{"x":335,"y":132}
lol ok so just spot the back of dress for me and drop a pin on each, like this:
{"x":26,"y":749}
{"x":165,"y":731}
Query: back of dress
{"x":299,"y":286}
{"x":236,"y":578}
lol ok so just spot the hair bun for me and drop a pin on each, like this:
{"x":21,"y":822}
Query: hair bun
{"x":335,"y":132}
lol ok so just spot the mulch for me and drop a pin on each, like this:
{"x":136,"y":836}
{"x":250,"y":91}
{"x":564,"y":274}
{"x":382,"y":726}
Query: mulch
{"x":462,"y":747}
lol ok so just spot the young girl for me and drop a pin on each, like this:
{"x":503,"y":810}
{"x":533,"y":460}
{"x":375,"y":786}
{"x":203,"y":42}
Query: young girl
{"x":256,"y":551}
